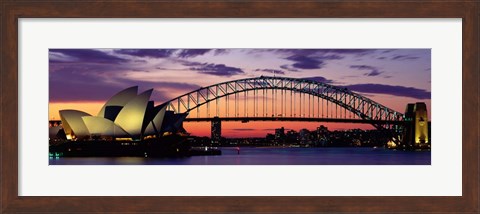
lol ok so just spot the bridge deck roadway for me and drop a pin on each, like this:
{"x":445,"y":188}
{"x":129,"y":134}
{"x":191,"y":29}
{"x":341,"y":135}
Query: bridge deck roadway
{"x":299,"y":119}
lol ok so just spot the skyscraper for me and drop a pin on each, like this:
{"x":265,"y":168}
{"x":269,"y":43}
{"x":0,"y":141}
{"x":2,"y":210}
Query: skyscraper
{"x":216,"y":130}
{"x":280,"y":136}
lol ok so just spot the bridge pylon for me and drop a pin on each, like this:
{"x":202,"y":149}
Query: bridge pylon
{"x":416,"y":133}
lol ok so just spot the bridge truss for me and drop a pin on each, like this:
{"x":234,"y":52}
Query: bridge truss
{"x":281,"y":98}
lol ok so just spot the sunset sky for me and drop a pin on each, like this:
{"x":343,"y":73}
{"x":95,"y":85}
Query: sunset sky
{"x":84,"y":79}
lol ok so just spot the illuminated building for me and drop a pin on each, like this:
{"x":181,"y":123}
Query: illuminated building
{"x":280,"y":136}
{"x":416,"y":131}
{"x":73,"y":125}
{"x":216,"y":130}
{"x":409,"y":128}
{"x":421,"y":124}
{"x":124,"y":116}
{"x":322,"y":135}
{"x":305,"y":137}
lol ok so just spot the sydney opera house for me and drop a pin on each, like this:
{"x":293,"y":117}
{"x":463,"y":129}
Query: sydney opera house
{"x":126,"y":116}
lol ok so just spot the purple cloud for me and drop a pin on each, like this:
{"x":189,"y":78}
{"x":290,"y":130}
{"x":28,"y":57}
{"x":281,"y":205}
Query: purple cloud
{"x":163,"y":90}
{"x":140,"y":61}
{"x":323,"y":51}
{"x":305,"y":62}
{"x":373,"y":71}
{"x":220,"y":51}
{"x":187,"y":53}
{"x":319,"y":79}
{"x":390,"y":90}
{"x":151,"y":53}
{"x":351,"y":51}
{"x":214,"y":69}
{"x":187,"y":63}
{"x":187,"y":87}
{"x":303,"y":52}
{"x":71,"y":85}
{"x":95,"y":89}
{"x":160,"y":68}
{"x":83,"y":56}
{"x":404,"y":57}
{"x":363,"y":67}
{"x":288,"y":68}
{"x":101,"y":81}
{"x":139,"y":70}
{"x":330,"y":57}
{"x":271,"y":71}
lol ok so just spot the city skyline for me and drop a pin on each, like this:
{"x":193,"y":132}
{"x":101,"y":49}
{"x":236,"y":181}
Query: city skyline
{"x":85,"y":78}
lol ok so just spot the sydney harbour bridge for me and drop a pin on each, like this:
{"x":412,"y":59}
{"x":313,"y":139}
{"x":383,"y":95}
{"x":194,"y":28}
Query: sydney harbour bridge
{"x":283,"y":99}
{"x":268,"y":98}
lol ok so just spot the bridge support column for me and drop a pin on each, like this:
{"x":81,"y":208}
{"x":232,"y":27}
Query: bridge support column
{"x":416,"y":132}
{"x":216,"y":130}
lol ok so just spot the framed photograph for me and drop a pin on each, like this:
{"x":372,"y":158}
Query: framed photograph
{"x":239,"y":106}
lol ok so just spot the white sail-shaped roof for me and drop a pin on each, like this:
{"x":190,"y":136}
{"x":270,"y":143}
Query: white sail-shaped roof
{"x":125,"y":115}
{"x":120,"y":99}
{"x":103,"y":127}
{"x":155,"y":125}
{"x":73,"y":124}
{"x":131,"y":116}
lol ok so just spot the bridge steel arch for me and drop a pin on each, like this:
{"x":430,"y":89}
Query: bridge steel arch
{"x":359,"y":105}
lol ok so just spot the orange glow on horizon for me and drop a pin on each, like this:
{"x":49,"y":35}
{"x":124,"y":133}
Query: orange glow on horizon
{"x":261,"y":129}
{"x":229,"y":129}
{"x":91,"y":108}
{"x":254,"y":129}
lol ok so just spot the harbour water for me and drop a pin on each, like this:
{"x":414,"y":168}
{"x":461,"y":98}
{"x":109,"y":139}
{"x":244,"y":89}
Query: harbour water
{"x":270,"y":156}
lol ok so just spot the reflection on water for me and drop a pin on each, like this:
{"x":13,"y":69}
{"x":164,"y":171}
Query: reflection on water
{"x":270,"y":156}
